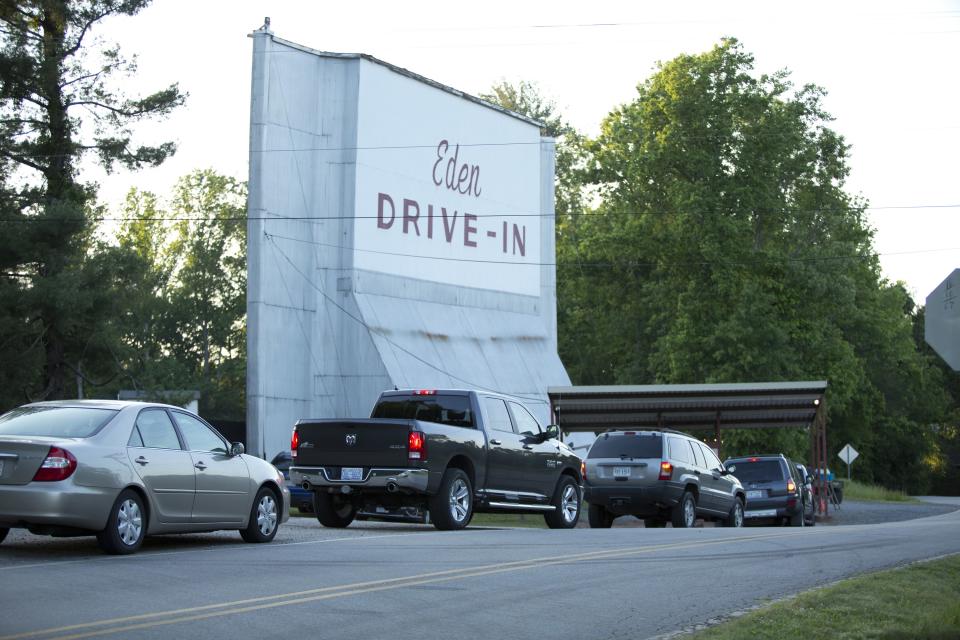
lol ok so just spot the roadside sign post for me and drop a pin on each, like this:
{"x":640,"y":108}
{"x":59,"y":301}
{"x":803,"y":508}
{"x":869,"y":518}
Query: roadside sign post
{"x":848,"y":454}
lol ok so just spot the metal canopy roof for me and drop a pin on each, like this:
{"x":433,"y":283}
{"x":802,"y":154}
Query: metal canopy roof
{"x":688,"y":407}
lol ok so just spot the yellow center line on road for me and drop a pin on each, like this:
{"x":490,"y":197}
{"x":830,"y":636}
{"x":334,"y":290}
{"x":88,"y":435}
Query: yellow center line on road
{"x":190,"y":614}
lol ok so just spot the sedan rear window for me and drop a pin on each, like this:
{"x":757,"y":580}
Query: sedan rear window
{"x":640,"y":445}
{"x":759,"y":471}
{"x":57,"y":422}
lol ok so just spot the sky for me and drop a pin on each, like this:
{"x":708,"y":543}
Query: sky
{"x":890,"y":68}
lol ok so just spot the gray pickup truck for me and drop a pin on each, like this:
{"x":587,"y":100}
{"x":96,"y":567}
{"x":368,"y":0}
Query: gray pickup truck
{"x":437,"y":456}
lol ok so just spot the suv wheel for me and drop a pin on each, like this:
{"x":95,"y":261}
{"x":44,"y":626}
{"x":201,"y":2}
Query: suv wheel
{"x":599,"y":517}
{"x":735,"y":517}
{"x":452,"y":507}
{"x":800,"y":519}
{"x":566,"y":505}
{"x":684,"y":514}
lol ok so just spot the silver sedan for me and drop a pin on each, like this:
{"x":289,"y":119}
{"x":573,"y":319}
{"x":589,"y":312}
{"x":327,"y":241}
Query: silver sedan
{"x":124,"y":470}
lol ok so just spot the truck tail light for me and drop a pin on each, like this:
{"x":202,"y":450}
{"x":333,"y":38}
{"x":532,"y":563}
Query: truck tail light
{"x":425,"y":392}
{"x":666,"y":471}
{"x":58,"y":465}
{"x":294,"y":443}
{"x":416,"y":446}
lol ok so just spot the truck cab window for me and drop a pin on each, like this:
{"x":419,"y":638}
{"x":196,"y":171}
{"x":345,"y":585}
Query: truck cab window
{"x":497,"y":416}
{"x":526,"y":424}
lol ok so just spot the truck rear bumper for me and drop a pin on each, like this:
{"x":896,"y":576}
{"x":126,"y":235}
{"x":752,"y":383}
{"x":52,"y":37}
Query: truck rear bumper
{"x":406,"y":480}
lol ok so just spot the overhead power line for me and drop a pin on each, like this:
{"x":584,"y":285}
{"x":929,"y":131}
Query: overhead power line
{"x":609,"y":264}
{"x":499,"y":214}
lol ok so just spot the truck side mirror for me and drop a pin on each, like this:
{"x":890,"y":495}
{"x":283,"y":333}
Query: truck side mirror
{"x":552,"y":432}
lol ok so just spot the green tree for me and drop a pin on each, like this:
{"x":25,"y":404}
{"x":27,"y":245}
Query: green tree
{"x":186,"y":327}
{"x":726,"y":249}
{"x":57,"y":103}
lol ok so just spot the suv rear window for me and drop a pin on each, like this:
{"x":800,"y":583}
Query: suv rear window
{"x":759,"y":471}
{"x":640,"y":445}
{"x":57,"y":422}
{"x":452,"y":410}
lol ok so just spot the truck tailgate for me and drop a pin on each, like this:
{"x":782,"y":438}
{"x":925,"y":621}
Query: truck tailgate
{"x":353,"y":443}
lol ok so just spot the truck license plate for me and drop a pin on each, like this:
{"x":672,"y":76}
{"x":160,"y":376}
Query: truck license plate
{"x":351,"y":473}
{"x":754,"y":495}
{"x":621,"y":472}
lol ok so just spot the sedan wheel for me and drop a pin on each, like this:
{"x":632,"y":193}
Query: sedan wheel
{"x":264,"y":518}
{"x":126,"y":525}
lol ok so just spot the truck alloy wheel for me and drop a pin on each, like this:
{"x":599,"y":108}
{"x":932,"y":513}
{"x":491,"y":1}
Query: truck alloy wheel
{"x":566,"y":505}
{"x":452,"y":506}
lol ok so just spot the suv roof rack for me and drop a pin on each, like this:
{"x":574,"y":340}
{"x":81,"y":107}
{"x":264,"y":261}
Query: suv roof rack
{"x":762,"y":455}
{"x":656,"y":429}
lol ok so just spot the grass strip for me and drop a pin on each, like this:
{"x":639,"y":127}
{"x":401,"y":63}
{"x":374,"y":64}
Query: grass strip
{"x":854,"y":490}
{"x":920,"y":601}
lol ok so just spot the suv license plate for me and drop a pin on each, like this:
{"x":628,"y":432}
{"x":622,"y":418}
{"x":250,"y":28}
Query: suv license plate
{"x":621,"y":472}
{"x":754,"y":495}
{"x":351,"y":473}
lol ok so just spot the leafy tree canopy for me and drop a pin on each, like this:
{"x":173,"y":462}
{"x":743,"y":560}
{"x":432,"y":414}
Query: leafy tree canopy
{"x":57,"y":103}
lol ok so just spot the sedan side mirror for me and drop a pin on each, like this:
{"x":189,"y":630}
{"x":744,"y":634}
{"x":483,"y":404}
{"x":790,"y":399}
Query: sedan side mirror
{"x":724,"y":472}
{"x":236,"y":448}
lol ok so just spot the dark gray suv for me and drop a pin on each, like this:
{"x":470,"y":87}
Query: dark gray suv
{"x":659,"y":476}
{"x":777,"y":489}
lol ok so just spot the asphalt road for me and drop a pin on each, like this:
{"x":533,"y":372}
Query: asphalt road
{"x":408,"y":581}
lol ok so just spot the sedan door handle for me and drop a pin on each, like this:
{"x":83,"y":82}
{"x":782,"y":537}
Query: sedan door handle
{"x":696,"y":471}
{"x":496,"y":442}
{"x":141,"y":461}
{"x":200,"y":466}
{"x":527,"y":447}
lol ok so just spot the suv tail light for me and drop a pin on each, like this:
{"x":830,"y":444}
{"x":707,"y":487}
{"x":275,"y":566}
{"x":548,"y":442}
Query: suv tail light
{"x":294,"y":443}
{"x":58,"y":465}
{"x":666,"y":471}
{"x":791,"y":486}
{"x":416,"y":446}
{"x":583,"y":470}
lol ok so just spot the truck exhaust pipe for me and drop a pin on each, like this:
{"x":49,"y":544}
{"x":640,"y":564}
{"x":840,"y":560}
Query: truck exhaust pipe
{"x":392,"y":487}
{"x":306,"y":485}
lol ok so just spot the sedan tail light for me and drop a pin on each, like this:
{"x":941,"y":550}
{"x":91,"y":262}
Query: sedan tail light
{"x":58,"y":465}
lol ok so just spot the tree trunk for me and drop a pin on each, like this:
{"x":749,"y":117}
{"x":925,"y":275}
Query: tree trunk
{"x":59,"y":183}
